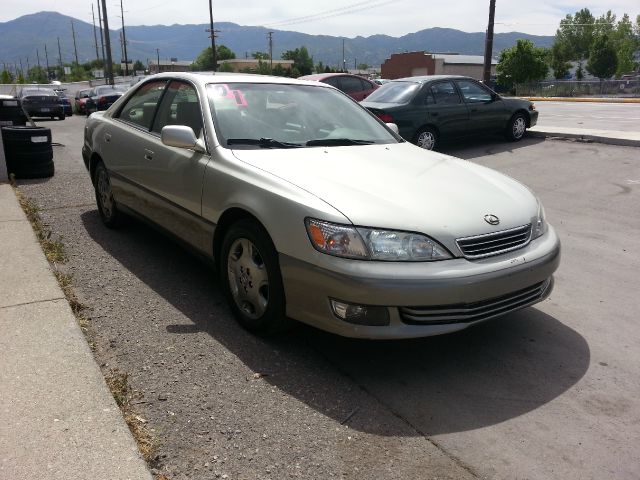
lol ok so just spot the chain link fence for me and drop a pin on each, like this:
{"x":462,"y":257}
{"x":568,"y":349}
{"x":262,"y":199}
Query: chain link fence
{"x":596,"y":88}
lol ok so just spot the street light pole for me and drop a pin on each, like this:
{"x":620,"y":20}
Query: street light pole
{"x":488,"y":48}
{"x":158,"y":55}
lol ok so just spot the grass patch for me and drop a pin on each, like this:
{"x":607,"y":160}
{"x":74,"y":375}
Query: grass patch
{"x":118,"y":383}
{"x":53,"y":249}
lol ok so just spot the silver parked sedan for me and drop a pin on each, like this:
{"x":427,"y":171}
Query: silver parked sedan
{"x":314,"y":210}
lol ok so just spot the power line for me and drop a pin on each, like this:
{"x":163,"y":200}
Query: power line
{"x":356,"y":7}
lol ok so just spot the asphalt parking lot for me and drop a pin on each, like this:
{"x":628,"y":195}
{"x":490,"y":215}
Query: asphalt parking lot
{"x":548,"y":392}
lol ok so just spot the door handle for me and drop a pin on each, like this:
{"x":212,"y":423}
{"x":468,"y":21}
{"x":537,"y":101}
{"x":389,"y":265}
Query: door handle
{"x":107,"y":137}
{"x":148,"y":154}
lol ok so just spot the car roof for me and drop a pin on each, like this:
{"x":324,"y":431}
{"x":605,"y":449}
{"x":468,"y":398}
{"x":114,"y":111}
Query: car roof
{"x":204,"y":78}
{"x":431,"y":78}
{"x":322,"y":76}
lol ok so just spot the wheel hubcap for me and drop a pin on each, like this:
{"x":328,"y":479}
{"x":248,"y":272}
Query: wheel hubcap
{"x":519,"y":126}
{"x":104,"y":193}
{"x":248,"y":278}
{"x":426,"y":140}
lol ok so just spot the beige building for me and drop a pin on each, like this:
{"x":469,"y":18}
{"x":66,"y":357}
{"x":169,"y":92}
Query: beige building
{"x":170,"y":66}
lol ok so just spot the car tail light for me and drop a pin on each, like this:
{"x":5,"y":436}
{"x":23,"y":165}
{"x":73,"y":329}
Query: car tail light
{"x":385,"y":117}
{"x":102,"y":100}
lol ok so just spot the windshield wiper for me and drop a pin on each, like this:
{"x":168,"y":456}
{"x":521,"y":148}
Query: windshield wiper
{"x":262,"y":142}
{"x":331,"y":142}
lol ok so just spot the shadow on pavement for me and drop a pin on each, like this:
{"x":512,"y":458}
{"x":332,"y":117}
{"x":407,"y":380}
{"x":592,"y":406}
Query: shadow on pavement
{"x":474,"y":147}
{"x":476,"y":378}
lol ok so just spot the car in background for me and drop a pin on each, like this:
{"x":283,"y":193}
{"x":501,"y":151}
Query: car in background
{"x":11,"y":113}
{"x":66,"y":104}
{"x":353,"y":85}
{"x":42,"y":102}
{"x":380,"y":81}
{"x":101,"y":98}
{"x":313,"y":209}
{"x":81,"y":98}
{"x":430,"y":109}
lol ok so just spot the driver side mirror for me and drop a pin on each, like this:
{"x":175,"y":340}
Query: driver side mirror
{"x":181,"y":136}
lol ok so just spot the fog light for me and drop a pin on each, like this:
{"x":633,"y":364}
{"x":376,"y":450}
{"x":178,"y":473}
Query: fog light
{"x":360,"y":314}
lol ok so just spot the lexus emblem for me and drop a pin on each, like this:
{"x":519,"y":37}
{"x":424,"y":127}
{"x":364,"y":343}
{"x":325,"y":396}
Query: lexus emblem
{"x":491,"y":219}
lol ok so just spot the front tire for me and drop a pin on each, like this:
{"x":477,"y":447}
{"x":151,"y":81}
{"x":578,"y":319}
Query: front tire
{"x":250,"y":277}
{"x":107,"y":208}
{"x":517,"y":127}
{"x":426,"y":138}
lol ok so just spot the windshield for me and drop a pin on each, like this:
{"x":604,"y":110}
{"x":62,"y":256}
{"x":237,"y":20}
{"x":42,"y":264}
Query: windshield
{"x":394,"y":92}
{"x":271,"y":115}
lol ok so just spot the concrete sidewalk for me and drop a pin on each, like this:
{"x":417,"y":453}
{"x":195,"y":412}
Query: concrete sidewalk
{"x":609,"y":137}
{"x":58,"y":420}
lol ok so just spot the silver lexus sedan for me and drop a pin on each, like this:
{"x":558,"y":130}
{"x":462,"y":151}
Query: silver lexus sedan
{"x":315,"y":210}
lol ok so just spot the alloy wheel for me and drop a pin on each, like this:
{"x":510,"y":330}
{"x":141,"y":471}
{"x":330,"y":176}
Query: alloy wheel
{"x":248,"y":278}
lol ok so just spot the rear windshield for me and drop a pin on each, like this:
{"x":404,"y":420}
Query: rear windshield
{"x":107,"y":91}
{"x":42,"y":92}
{"x":394,"y":92}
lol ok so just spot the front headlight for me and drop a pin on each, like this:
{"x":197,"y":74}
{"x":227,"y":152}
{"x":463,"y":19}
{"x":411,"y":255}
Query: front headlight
{"x":372,"y":243}
{"x":540,"y":223}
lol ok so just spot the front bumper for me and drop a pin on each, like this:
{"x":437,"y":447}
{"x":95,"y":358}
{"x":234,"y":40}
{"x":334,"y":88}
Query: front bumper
{"x":455,"y":282}
{"x":533,"y":118}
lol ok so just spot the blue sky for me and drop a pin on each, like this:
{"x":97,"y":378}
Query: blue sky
{"x":348,"y":18}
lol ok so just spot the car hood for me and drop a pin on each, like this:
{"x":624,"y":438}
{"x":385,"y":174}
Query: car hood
{"x":402,"y":187}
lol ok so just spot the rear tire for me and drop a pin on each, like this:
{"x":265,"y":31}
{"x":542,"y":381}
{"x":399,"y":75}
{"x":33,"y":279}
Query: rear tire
{"x":107,"y":208}
{"x":250,"y":277}
{"x":426,"y":138}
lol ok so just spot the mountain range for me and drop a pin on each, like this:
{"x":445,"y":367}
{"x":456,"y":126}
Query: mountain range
{"x":25,"y":38}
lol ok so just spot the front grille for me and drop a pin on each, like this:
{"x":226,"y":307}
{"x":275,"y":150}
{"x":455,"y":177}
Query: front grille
{"x":472,"y":312}
{"x":480,"y":246}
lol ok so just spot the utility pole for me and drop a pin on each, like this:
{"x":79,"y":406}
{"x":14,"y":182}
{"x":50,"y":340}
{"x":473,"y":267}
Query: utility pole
{"x":75,"y":48}
{"x":121,"y":48}
{"x":104,"y":63}
{"x":158,"y":56}
{"x":488,"y":47}
{"x":60,"y":58}
{"x":39,"y":67}
{"x":213,"y":38}
{"x":46,"y":56}
{"x":95,"y":34}
{"x":344,"y":60}
{"x":124,"y":43}
{"x":270,"y":35}
{"x":107,"y":41}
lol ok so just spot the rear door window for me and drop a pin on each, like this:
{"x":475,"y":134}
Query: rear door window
{"x":351,"y":85}
{"x":444,"y":93}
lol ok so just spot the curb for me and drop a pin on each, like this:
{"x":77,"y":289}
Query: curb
{"x":583,"y":99}
{"x":623,"y":142}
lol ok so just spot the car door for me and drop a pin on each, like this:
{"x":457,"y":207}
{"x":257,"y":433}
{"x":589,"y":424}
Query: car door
{"x":175,"y":175}
{"x":487,"y":112}
{"x":446,"y":110}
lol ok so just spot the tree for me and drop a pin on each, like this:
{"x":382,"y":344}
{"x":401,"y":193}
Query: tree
{"x":6,"y":77}
{"x":625,"y":42}
{"x":302,"y":62}
{"x":603,"y":60}
{"x":260,"y":56}
{"x":205,"y":59}
{"x":559,"y":60}
{"x":138,"y":66}
{"x":363,"y":66}
{"x":225,"y":67}
{"x":576,"y":32}
{"x":524,"y":62}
